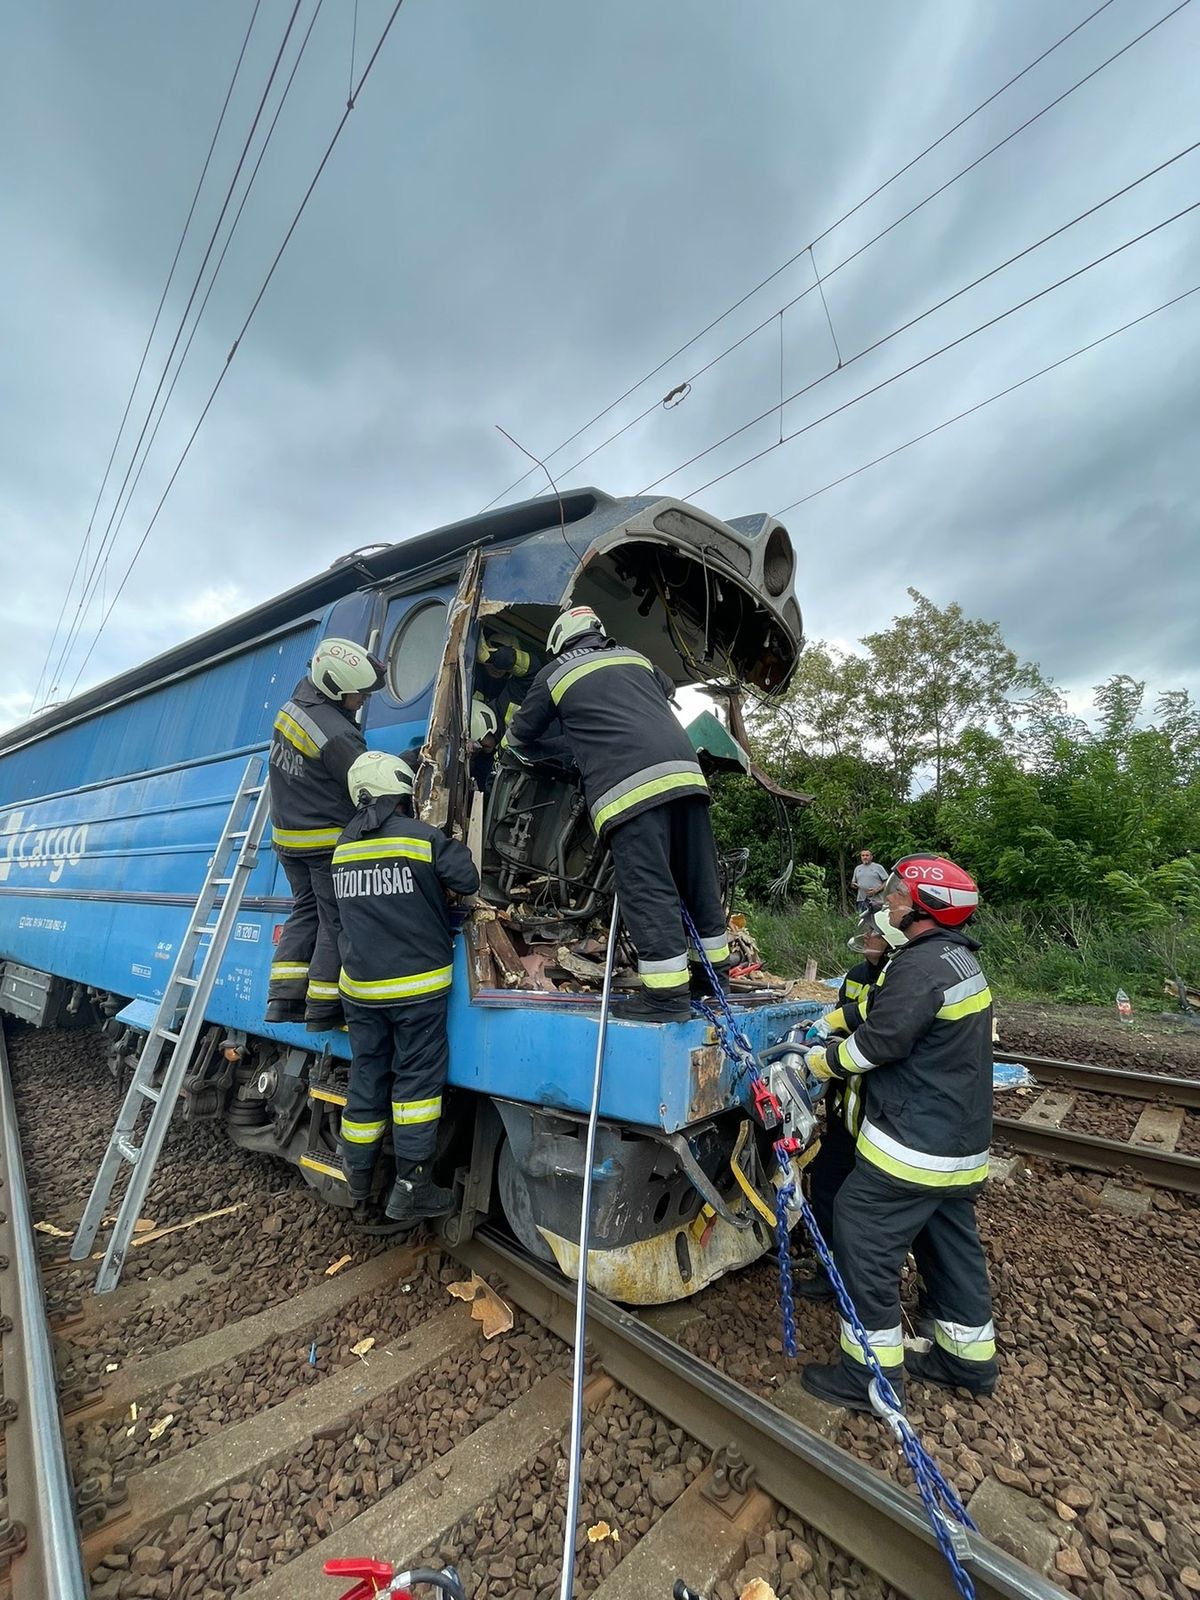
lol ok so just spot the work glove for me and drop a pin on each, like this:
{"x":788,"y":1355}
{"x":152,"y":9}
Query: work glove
{"x":816,"y":1062}
{"x":502,"y":656}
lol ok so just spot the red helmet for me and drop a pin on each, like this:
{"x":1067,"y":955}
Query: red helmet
{"x":937,"y":887}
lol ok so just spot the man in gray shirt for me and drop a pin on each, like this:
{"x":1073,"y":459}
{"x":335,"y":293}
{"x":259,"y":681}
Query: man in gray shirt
{"x":868,"y":880}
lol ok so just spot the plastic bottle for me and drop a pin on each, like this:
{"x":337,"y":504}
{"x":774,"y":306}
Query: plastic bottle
{"x":1124,"y":1006}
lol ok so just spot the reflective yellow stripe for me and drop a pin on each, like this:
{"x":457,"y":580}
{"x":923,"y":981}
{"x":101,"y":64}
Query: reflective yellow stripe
{"x":970,"y":1348}
{"x":647,"y":791}
{"x":887,"y":1345}
{"x":607,"y":659}
{"x":378,"y":849}
{"x":854,"y":988}
{"x":967,"y":1007}
{"x":327,"y":1167}
{"x":305,"y":838}
{"x":407,"y":1112}
{"x":295,"y":734}
{"x":397,"y":988}
{"x":322,"y":991}
{"x":362,"y":1132}
{"x":665,"y":980}
{"x":289,"y":969}
{"x":930,"y":1172}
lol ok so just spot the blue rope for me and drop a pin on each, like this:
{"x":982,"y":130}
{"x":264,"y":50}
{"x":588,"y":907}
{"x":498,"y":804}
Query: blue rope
{"x":948,"y":1517}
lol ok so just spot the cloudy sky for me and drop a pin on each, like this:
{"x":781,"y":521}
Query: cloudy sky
{"x":532,"y":205}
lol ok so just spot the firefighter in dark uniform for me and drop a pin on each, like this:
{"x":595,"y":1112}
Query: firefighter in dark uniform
{"x":313,"y":746}
{"x":922,"y":1060}
{"x":646,"y":795}
{"x":834,"y":1161}
{"x":391,"y":874}
{"x":503,"y":674}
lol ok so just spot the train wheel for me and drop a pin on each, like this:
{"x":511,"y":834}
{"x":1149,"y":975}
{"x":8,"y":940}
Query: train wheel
{"x":517,"y":1201}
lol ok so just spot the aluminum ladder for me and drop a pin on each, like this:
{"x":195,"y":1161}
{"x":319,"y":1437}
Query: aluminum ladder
{"x":178,"y":1022}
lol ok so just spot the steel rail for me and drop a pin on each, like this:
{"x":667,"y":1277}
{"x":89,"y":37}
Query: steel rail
{"x":1183,"y":1092}
{"x":866,"y":1514}
{"x":45,"y":1554}
{"x":1163,"y":1169}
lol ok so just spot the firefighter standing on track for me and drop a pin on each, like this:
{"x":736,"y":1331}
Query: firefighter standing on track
{"x":391,"y":875}
{"x":646,"y":795}
{"x":834,"y":1161}
{"x":922,"y":1059}
{"x":314,"y":744}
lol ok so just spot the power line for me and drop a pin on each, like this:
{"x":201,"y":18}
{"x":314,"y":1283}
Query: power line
{"x":874,"y":193}
{"x":212,"y":282}
{"x":81,"y":556}
{"x":924,"y":360}
{"x":776,"y":315}
{"x":106,"y":541}
{"x":241,"y":335}
{"x":991,"y":400}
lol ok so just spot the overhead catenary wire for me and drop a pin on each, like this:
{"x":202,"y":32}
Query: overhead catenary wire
{"x":329,"y":149}
{"x":106,"y":541}
{"x":81,"y":555}
{"x":913,"y":366}
{"x":213,"y":280}
{"x":778,"y":314}
{"x":991,"y":399}
{"x":845,"y":217}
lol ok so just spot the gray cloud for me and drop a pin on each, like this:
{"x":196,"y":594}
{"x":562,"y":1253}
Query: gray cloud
{"x":530,"y":207}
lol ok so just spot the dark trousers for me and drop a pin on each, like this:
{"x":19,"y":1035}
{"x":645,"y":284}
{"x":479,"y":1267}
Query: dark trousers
{"x":306,"y":965}
{"x":876,"y":1221}
{"x":660,"y":857}
{"x":830,"y":1167}
{"x":399,"y":1058}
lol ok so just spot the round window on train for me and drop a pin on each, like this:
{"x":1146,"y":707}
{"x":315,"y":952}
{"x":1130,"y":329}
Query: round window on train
{"x":416,"y":650}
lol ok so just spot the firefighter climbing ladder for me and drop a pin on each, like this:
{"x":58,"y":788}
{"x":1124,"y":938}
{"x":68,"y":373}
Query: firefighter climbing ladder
{"x":178,"y":1021}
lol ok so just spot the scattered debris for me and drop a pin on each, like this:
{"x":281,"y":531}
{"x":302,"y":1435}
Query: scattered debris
{"x":494,"y":1314}
{"x":157,"y":1429}
{"x":51,"y":1231}
{"x":112,"y":1366}
{"x":336,"y":1266}
{"x":601,"y":1530}
{"x":176,"y":1227}
{"x":756,"y":1589}
{"x":361,"y":1348}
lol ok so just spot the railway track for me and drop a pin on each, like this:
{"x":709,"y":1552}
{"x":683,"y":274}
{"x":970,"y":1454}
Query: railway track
{"x":707,"y":1481}
{"x":1148,"y":1153}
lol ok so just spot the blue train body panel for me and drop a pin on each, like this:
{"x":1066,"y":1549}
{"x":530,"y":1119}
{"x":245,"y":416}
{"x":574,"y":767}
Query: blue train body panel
{"x":110,"y":808}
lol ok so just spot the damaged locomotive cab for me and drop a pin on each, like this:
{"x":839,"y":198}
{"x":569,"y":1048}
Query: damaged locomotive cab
{"x":682,"y":592}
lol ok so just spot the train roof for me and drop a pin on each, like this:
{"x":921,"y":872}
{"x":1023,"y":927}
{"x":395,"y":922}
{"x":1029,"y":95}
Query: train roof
{"x":372,"y":565}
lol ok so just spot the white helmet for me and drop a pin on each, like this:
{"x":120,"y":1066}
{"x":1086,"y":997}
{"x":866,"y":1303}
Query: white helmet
{"x":376,"y":773}
{"x":483,"y":719}
{"x":895,"y":937}
{"x":339,"y":666}
{"x":580,"y":619}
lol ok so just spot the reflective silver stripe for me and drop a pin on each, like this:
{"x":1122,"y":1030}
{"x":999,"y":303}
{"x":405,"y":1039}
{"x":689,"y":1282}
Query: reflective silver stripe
{"x":920,"y":1158}
{"x":887,"y":1344}
{"x":635,"y":780}
{"x":719,"y":942}
{"x":965,"y":1342}
{"x":362,"y":1132}
{"x":408,"y":1113}
{"x":311,"y":728}
{"x":965,"y":989}
{"x":861,"y":1062}
{"x":671,"y":964}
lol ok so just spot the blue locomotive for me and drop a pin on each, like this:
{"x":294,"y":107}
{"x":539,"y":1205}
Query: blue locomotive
{"x":110,"y":806}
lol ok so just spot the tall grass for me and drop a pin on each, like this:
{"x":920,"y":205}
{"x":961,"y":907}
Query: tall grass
{"x":1069,"y":954}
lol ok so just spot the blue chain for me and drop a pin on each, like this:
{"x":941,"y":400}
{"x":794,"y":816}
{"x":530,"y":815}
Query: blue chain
{"x":948,"y":1517}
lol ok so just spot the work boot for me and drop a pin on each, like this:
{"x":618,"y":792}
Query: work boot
{"x":649,"y":1007}
{"x":934,"y":1368}
{"x":285,"y":1011}
{"x":818,"y":1287}
{"x":415,"y":1197}
{"x":358,"y":1181}
{"x":838,"y":1387}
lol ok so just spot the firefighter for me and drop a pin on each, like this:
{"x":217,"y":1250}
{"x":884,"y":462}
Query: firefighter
{"x":834,"y":1161}
{"x":391,"y":875}
{"x":646,"y":795}
{"x":922,"y":1060}
{"x":484,"y":739}
{"x":314,"y":744}
{"x":504,"y":666}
